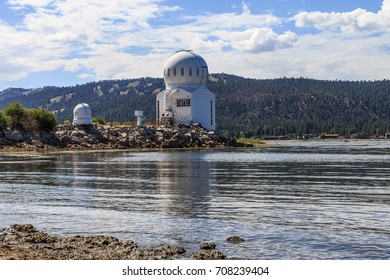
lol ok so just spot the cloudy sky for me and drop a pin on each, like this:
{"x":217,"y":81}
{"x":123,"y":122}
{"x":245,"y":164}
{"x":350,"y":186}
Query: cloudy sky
{"x":68,"y":42}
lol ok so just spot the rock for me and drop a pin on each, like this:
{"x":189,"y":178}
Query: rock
{"x":208,"y":255}
{"x":105,"y":137}
{"x":235,"y":239}
{"x":14,"y":136}
{"x":24,"y":242}
{"x":37,"y":143}
{"x":207,"y":245}
{"x":66,"y":139}
{"x":74,"y":134}
{"x":3,"y":141}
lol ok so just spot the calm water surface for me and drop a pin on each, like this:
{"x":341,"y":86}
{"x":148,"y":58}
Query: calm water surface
{"x":323,"y":200}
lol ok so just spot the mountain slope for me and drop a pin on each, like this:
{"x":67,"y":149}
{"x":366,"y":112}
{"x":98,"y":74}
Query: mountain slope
{"x":255,"y":107}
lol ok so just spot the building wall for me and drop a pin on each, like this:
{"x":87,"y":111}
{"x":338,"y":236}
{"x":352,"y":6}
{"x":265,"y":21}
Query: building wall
{"x":203,"y":108}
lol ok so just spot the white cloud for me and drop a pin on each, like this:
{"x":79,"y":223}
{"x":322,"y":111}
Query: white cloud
{"x":91,"y":35}
{"x":97,"y":37}
{"x":265,"y":39}
{"x":245,"y":8}
{"x":358,"y":20}
{"x":21,"y":4}
{"x":63,"y":34}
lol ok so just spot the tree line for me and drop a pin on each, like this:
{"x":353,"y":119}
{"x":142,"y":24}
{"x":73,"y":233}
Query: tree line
{"x":253,"y":107}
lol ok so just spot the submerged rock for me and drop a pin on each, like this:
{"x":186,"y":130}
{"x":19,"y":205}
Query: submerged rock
{"x":207,"y":245}
{"x":235,"y":239}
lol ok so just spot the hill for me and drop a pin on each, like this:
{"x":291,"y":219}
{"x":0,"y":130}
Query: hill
{"x":254,"y":107}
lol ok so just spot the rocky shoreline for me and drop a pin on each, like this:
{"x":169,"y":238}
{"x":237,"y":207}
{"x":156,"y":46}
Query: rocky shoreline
{"x":124,"y":137}
{"x":25,"y":242}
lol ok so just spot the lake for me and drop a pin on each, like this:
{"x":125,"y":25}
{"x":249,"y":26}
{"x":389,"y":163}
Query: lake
{"x":288,"y":200}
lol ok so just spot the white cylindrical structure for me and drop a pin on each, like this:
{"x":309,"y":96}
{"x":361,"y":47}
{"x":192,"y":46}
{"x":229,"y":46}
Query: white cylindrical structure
{"x":139,"y":115}
{"x":82,"y":114}
{"x":186,"y":99}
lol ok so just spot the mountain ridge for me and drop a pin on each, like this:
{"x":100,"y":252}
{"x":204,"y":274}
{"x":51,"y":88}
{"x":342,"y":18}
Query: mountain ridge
{"x":254,"y":107}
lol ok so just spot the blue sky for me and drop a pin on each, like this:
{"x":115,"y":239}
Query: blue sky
{"x":68,"y":42}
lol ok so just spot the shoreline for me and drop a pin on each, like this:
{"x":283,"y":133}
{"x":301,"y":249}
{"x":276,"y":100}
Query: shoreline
{"x":98,"y":137}
{"x":25,"y":242}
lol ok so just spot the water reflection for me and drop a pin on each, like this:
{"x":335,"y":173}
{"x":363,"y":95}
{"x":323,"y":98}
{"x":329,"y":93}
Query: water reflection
{"x":296,"y":201}
{"x":186,"y":184}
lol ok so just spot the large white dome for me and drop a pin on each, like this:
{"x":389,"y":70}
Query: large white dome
{"x":185,"y":68}
{"x":82,"y":114}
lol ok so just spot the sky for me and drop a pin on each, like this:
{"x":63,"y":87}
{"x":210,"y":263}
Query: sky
{"x":69,"y":42}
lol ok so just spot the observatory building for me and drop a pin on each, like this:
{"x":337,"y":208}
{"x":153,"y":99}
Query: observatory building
{"x":82,"y":114}
{"x":186,"y":99}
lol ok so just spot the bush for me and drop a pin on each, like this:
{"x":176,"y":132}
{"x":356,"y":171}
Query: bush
{"x":129,"y":123}
{"x":18,"y":116}
{"x":30,"y":119}
{"x":3,"y":121}
{"x":99,"y":120}
{"x":45,"y":119}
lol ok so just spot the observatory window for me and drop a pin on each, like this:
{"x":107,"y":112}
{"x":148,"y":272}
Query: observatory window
{"x":183,"y":102}
{"x":174,"y":71}
{"x":211,"y":111}
{"x":197,"y":71}
{"x":190,"y":71}
{"x":169,"y":72}
{"x":158,"y":111}
{"x":182,"y":71}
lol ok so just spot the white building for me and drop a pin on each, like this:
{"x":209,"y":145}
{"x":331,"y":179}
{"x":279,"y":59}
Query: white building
{"x":82,"y":114}
{"x":186,"y":99}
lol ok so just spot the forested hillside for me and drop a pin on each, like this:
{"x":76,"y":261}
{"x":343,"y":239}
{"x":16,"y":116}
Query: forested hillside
{"x":254,"y":107}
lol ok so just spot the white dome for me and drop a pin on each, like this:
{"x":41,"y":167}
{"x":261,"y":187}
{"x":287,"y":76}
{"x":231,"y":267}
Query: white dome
{"x":185,"y":68}
{"x":82,"y":114}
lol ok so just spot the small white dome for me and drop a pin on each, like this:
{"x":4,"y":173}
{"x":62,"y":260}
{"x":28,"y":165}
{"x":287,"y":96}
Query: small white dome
{"x":185,"y":68}
{"x":82,"y":114}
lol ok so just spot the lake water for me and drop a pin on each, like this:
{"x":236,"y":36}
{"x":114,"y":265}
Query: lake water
{"x":303,"y":200}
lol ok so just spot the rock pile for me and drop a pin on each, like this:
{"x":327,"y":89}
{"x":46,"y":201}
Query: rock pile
{"x":25,"y":242}
{"x":124,"y":137}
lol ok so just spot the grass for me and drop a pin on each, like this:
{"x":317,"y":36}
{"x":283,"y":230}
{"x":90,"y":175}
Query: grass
{"x":254,"y":141}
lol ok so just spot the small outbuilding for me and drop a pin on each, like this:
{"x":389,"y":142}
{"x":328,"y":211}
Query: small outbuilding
{"x":82,"y":114}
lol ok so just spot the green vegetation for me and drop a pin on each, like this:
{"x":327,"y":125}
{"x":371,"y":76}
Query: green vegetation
{"x":18,"y":116}
{"x":44,"y":119}
{"x":99,"y":120}
{"x":35,"y":120}
{"x":3,"y":121}
{"x":254,"y":141}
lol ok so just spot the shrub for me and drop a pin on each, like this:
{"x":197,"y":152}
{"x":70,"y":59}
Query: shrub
{"x":115,"y":123}
{"x":99,"y":120}
{"x":3,"y":121}
{"x":45,"y":119}
{"x":30,"y":119}
{"x":128,"y":123}
{"x":18,"y":116}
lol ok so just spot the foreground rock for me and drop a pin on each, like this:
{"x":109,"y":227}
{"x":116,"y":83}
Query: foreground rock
{"x":24,"y":242}
{"x":126,"y":137}
{"x":208,"y":252}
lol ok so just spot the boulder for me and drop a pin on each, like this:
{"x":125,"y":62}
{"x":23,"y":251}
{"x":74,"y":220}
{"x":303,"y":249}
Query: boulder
{"x":14,"y":136}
